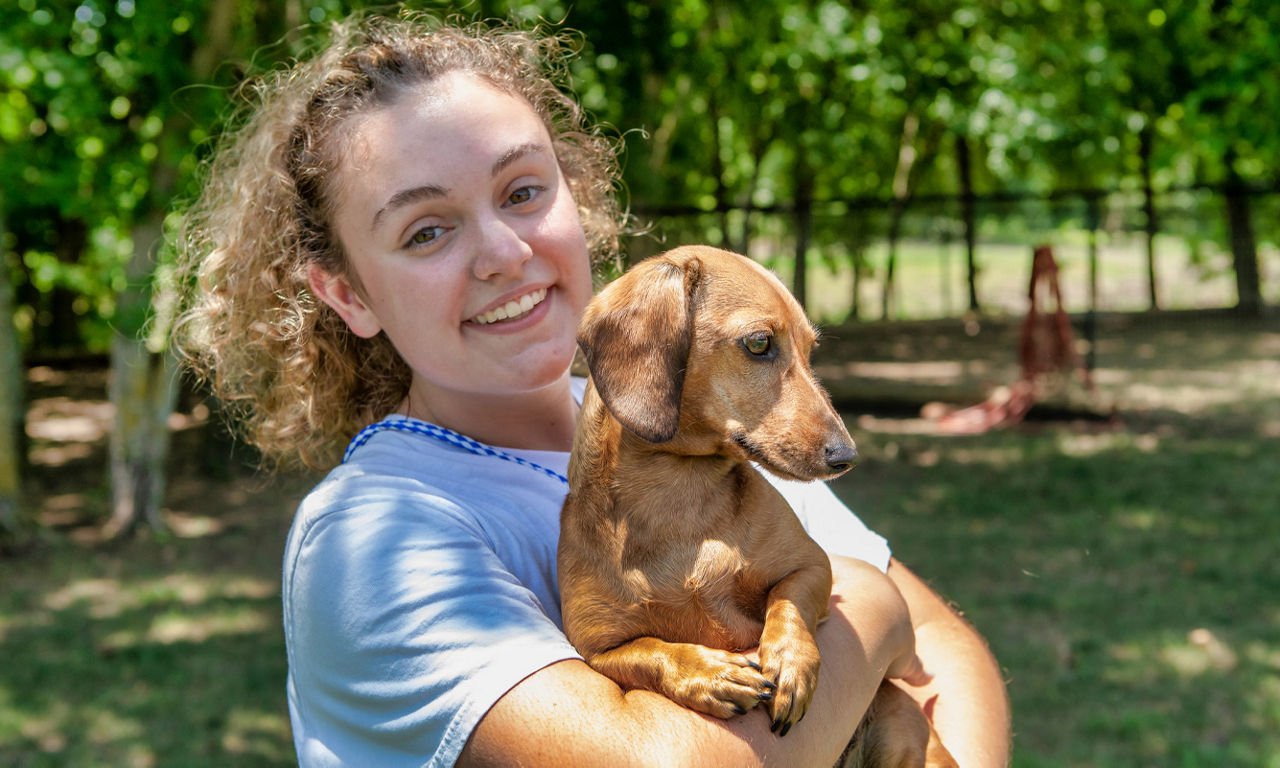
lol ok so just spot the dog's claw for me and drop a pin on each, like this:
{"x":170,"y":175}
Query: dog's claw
{"x":780,"y":727}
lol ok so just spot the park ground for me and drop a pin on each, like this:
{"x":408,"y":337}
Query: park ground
{"x":1117,"y":549}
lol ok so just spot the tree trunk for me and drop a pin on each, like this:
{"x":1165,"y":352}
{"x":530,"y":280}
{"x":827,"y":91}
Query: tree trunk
{"x":965,"y":171}
{"x":804,"y":226}
{"x":855,"y":307}
{"x":1244,"y":248}
{"x":717,"y":172}
{"x":11,"y":399}
{"x":142,"y":389}
{"x":1093,"y":222}
{"x":143,"y":384}
{"x":857,"y":261}
{"x":891,"y":260}
{"x":760,"y":143}
{"x":63,"y":329}
{"x":901,"y":193}
{"x":944,"y":274}
{"x":1145,"y":140}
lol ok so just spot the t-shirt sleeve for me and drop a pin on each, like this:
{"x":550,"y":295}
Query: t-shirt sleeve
{"x":404,"y":629}
{"x":833,"y":525}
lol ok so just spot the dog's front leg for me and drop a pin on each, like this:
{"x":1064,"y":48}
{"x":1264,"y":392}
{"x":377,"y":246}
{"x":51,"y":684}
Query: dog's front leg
{"x":788,"y":651}
{"x":712,"y":681}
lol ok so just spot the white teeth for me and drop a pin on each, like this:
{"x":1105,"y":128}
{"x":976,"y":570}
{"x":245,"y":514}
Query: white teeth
{"x":513,"y":308}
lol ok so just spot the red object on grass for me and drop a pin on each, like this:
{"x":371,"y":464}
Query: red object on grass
{"x":1045,"y":346}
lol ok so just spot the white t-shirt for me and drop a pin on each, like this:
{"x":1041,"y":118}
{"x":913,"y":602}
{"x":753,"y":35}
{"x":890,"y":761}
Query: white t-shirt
{"x":420,"y":586}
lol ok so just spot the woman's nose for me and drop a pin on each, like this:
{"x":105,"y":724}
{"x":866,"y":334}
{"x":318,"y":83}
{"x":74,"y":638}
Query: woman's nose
{"x":501,"y":250}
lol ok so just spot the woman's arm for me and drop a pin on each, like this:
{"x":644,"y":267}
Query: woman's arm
{"x":966,"y":698}
{"x":568,"y":714}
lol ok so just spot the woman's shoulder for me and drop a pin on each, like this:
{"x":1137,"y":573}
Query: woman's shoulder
{"x":402,"y":480}
{"x":373,"y":491}
{"x":397,"y":509}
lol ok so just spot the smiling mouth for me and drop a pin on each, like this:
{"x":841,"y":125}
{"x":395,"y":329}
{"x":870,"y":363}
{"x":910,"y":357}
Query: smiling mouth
{"x":512,"y":310}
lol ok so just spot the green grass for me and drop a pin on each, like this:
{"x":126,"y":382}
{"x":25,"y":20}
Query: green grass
{"x":140,"y":667}
{"x":1127,"y":585}
{"x":147,"y":652}
{"x":1125,"y":573}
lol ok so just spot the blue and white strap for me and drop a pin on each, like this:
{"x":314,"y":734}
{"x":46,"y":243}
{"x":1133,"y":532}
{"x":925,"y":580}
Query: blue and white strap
{"x":419,"y":427}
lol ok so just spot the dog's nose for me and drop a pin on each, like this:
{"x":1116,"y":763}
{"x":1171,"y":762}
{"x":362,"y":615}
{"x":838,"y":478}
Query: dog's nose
{"x":841,"y":456}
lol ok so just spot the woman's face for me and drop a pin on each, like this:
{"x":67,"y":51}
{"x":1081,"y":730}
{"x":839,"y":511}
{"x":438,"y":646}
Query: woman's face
{"x":464,"y":239}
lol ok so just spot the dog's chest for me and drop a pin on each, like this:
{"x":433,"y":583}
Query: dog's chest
{"x":707,"y":594}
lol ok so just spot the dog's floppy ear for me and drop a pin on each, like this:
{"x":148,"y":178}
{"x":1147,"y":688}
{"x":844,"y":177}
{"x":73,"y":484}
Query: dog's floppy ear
{"x":636,"y":337}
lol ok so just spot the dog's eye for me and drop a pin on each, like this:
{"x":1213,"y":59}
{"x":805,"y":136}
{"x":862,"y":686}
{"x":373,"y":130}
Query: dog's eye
{"x":758,"y":344}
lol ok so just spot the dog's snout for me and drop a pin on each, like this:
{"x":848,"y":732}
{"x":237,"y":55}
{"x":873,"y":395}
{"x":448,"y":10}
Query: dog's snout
{"x":841,"y":456}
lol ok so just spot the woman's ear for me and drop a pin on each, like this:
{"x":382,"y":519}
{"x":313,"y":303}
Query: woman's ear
{"x":338,"y":292}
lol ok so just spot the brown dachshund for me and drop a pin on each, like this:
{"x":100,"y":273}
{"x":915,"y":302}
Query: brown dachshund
{"x":675,"y":554}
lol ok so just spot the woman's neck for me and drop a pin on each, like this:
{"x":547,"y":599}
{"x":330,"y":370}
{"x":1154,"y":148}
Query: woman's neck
{"x":540,"y":420}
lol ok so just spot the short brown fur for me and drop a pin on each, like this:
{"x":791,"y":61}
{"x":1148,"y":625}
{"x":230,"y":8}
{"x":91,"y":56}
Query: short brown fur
{"x":676,"y":555}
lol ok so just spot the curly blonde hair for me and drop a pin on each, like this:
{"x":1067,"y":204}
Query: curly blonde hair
{"x":295,"y":378}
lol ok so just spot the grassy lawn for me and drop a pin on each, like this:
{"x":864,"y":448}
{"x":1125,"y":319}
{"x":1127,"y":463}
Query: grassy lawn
{"x":1124,"y":572}
{"x":141,"y":652}
{"x":1126,"y":582}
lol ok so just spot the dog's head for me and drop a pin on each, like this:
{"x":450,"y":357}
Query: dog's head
{"x":705,"y":351}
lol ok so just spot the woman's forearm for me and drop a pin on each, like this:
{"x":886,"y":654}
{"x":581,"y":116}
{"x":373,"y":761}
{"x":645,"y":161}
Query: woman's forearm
{"x":867,"y":635}
{"x":967,"y":698}
{"x":567,"y":714}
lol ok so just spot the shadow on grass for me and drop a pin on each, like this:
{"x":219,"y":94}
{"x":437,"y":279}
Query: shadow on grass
{"x":139,"y":666}
{"x":1125,"y":580}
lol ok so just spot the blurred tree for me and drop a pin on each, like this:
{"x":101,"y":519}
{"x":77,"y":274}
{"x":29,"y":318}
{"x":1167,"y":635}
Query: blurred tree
{"x":1232,"y":50}
{"x":840,"y":115}
{"x":143,"y":385}
{"x":104,"y":135}
{"x":1145,"y":73}
{"x":11,"y":400}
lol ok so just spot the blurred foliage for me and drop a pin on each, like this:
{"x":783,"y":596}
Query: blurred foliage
{"x":720,"y":105}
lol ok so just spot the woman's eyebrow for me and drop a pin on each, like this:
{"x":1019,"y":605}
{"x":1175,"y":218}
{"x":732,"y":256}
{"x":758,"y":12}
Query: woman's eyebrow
{"x":430,"y":191}
{"x":407,"y":196}
{"x":515,"y":153}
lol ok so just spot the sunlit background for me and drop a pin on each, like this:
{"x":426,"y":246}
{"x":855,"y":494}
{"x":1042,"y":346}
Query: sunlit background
{"x":894,"y":162}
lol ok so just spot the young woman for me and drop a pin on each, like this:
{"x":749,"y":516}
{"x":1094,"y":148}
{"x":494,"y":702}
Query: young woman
{"x":391,"y":254}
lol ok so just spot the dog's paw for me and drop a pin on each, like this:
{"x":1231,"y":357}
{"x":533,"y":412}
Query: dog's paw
{"x":793,"y":667}
{"x":719,"y":683}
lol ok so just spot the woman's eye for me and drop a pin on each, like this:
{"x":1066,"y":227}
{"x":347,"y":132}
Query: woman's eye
{"x":523,"y":195}
{"x":425,"y":236}
{"x":758,"y":344}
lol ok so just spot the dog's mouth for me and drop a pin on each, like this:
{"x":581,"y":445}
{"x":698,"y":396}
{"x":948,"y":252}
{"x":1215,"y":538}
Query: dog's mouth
{"x":790,"y":469}
{"x":754,"y":452}
{"x":749,"y":447}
